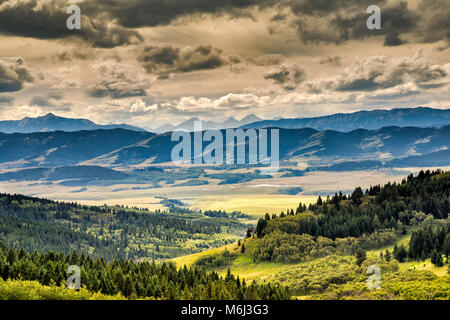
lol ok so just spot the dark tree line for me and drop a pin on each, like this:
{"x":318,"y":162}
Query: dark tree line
{"x":428,"y":243}
{"x":44,"y":225}
{"x":379,"y":207}
{"x":132,"y":279}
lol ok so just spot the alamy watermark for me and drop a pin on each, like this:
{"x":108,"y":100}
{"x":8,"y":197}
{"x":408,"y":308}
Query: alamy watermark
{"x":374,"y":20}
{"x":220,"y":152}
{"x":74,"y":281}
{"x":374,"y":281}
{"x":73,"y":22}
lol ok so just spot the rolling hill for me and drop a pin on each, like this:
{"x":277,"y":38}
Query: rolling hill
{"x":63,"y":148}
{"x":121,"y":148}
{"x":319,"y":147}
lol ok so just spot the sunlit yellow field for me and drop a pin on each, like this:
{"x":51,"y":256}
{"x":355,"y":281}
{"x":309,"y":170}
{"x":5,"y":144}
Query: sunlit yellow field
{"x":254,"y":204}
{"x":254,"y":197}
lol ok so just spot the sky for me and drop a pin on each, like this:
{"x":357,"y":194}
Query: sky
{"x":151,"y":62}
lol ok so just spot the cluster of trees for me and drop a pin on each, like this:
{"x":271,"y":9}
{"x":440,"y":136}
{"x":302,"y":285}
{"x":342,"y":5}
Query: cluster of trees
{"x":405,"y":285}
{"x":44,"y":225}
{"x":341,"y":277}
{"x":132,"y":279}
{"x":428,"y":243}
{"x":323,"y":274}
{"x":224,"y":214}
{"x":363,"y":220}
{"x":379,"y":207}
{"x":284,"y":247}
{"x":217,"y":260}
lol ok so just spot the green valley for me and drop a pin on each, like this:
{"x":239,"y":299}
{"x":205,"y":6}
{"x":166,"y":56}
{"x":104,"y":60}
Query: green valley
{"x":320,"y":251}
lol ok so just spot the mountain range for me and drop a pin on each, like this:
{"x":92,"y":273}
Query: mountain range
{"x":51,"y":122}
{"x":375,"y":119}
{"x":114,"y":153}
{"x":124,"y":148}
{"x":188,"y":125}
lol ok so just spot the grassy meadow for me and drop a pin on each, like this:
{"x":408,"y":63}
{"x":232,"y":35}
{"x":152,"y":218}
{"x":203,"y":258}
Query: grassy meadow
{"x":322,"y":278}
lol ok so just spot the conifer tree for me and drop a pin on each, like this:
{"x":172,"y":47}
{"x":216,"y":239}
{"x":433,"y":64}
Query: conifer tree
{"x":360,"y":256}
{"x":387,"y":256}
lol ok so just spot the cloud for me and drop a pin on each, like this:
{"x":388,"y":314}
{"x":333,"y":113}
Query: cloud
{"x":55,"y":96}
{"x":316,"y":21}
{"x":334,"y":21}
{"x":317,"y":24}
{"x":47,"y":20}
{"x":118,"y":81}
{"x":112,"y":23}
{"x":20,"y":112}
{"x":393,"y":39}
{"x":287,"y":75}
{"x":278,"y":17}
{"x":266,"y":60}
{"x":63,"y":77}
{"x":6,"y":100}
{"x":167,"y":59}
{"x":51,"y":101}
{"x":76,"y":54}
{"x":151,"y":13}
{"x":318,"y":8}
{"x":331,"y":60}
{"x":141,"y":107}
{"x":41,"y":101}
{"x":434,"y":25}
{"x":381,"y":72}
{"x":234,"y":59}
{"x":230,"y":101}
{"x":13,"y":74}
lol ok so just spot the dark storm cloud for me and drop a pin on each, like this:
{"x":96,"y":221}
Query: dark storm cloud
{"x":332,"y":60}
{"x":289,"y":76}
{"x":47,"y":20}
{"x":115,"y":90}
{"x":167,"y":59}
{"x":107,"y":23}
{"x":13,"y":74}
{"x":321,"y":7}
{"x":392,"y":40}
{"x":278,"y":17}
{"x":316,"y":21}
{"x":234,"y":59}
{"x":435,"y":24}
{"x":341,"y":20}
{"x":150,"y":13}
{"x":351,"y":25}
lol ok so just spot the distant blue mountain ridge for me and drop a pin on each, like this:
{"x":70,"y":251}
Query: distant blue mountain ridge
{"x":51,"y":122}
{"x":415,"y":117}
{"x":405,"y":117}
